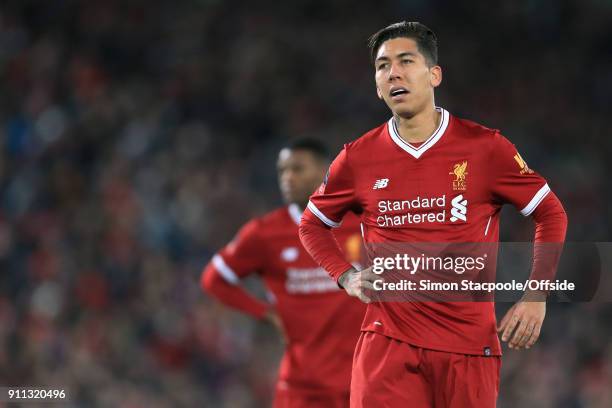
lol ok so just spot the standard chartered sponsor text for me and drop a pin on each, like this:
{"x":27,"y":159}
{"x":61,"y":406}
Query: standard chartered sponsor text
{"x":389,"y":217}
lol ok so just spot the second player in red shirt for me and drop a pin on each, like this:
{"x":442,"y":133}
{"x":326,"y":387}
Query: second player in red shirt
{"x":319,"y":322}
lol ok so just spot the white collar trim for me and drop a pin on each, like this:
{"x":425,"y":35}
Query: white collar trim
{"x":295,"y":213}
{"x":416,"y":152}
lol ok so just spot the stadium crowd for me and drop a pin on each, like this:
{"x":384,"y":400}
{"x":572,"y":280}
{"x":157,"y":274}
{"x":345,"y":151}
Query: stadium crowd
{"x":137,"y":136}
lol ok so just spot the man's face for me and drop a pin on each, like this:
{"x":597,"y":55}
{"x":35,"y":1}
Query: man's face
{"x":403,"y":79}
{"x":299,"y":174}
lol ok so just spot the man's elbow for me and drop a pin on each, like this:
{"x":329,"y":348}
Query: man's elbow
{"x":309,"y":225}
{"x":209,"y":279}
{"x":551,"y":220}
{"x":305,"y":226}
{"x":559,"y":213}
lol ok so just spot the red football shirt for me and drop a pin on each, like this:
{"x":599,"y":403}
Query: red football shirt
{"x":449,"y":188}
{"x":320,"y":322}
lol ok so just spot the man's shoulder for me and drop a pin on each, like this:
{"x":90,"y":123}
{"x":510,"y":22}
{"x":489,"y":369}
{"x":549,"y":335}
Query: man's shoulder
{"x":270,"y":222}
{"x":468,"y":128}
{"x":278,"y":217}
{"x":371,"y":139}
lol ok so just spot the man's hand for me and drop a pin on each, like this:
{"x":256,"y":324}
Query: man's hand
{"x":526,"y":316}
{"x":357,"y":282}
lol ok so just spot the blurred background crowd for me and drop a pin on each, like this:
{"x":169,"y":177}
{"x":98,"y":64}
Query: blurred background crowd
{"x":136,"y":137}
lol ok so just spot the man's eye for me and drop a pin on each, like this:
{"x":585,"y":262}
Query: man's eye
{"x":383,"y":66}
{"x":406,"y":61}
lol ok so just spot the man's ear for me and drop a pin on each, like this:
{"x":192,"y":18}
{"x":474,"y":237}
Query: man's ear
{"x":435,"y":73}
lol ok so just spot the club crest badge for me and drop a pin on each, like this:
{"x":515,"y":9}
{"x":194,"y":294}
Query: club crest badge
{"x":460,"y":173}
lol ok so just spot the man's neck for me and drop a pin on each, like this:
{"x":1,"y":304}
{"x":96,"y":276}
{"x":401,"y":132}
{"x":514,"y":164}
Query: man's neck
{"x":419,"y":127}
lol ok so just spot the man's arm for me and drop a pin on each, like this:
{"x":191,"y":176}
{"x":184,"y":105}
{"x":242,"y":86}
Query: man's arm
{"x":322,"y":246}
{"x":326,"y":208}
{"x":527,"y":315}
{"x":241,"y":257}
{"x":513,"y":182}
{"x":226,"y":289}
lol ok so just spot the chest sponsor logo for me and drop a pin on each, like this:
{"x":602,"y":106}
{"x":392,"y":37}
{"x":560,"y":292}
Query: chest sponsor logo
{"x":460,"y":173}
{"x":380,"y":184}
{"x":309,"y":280}
{"x":421,"y":210}
{"x":459,"y":209}
{"x":290,"y":254}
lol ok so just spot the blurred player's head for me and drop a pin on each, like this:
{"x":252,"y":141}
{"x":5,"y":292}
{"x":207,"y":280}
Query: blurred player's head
{"x":301,"y":167}
{"x":405,"y":57}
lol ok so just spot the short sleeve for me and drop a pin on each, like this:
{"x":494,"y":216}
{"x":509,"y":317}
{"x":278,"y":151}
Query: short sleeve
{"x":513,"y":181}
{"x":336,"y":195}
{"x":242,"y":256}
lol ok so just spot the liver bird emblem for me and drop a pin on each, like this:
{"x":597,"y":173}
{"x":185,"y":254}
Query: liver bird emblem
{"x":459,"y":170}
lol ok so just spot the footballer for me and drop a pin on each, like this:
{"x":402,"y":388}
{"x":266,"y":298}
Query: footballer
{"x":429,"y":354}
{"x":318,"y":321}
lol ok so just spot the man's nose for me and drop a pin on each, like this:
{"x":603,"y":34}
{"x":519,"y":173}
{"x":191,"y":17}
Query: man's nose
{"x":287,"y":177}
{"x":394,"y":71}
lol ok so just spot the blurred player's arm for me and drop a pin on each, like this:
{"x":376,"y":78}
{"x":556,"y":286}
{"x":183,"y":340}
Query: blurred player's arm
{"x":231,"y":294}
{"x":221,"y":278}
{"x":326,"y":208}
{"x":517,"y":184}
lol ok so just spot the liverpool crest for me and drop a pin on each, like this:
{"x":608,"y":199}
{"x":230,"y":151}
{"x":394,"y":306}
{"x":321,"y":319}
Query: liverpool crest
{"x":460,"y":173}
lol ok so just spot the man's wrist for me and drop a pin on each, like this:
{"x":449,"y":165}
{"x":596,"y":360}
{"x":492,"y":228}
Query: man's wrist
{"x":534,"y":296}
{"x":342,"y":279}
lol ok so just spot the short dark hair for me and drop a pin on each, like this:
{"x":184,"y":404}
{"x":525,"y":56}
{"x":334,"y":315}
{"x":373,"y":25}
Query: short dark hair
{"x":312,"y":145}
{"x":426,"y":40}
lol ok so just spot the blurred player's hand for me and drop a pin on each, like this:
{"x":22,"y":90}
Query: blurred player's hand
{"x":357,"y":282}
{"x":524,"y":319}
{"x":274,"y":319}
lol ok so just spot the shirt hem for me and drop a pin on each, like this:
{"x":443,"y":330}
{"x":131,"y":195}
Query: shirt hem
{"x":494,"y":351}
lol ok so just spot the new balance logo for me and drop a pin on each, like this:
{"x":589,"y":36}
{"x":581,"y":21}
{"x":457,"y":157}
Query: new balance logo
{"x":459,"y":210}
{"x":380,"y":183}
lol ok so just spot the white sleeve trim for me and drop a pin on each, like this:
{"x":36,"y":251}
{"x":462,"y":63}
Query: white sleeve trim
{"x":322,"y":216}
{"x":536,"y":200}
{"x":225,"y":271}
